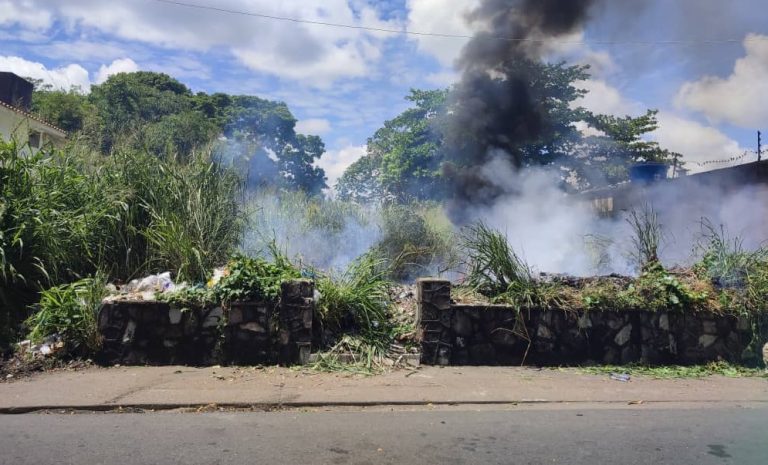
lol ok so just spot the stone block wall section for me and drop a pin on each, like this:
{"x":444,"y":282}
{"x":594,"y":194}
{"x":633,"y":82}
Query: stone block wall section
{"x":242,"y":333}
{"x":455,"y":334}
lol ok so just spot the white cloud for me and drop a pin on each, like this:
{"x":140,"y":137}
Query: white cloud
{"x":335,"y":162}
{"x":313,"y":54}
{"x":605,"y":99}
{"x":742,"y":97}
{"x":63,"y":77}
{"x":443,"y":78}
{"x":314,"y":126}
{"x":439,"y":16}
{"x":695,"y":141}
{"x":27,"y":13}
{"x":122,"y":65}
{"x":81,"y":50}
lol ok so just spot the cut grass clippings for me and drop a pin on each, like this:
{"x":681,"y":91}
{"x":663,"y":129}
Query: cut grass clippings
{"x":680,"y":372}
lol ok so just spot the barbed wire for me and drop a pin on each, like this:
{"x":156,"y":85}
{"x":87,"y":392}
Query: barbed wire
{"x":725,"y":160}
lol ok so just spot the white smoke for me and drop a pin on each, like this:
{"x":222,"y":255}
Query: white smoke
{"x":559,"y":233}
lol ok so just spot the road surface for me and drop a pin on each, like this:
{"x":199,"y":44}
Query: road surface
{"x":461,"y":435}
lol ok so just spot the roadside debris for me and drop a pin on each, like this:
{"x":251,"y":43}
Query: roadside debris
{"x":623,"y":377}
{"x":145,"y":289}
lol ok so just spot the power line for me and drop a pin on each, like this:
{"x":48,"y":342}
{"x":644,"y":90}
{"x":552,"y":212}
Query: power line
{"x":752,"y":38}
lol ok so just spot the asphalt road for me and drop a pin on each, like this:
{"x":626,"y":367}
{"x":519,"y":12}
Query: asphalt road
{"x":638,"y":435}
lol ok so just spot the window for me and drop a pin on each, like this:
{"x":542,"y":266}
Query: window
{"x":35,"y":138}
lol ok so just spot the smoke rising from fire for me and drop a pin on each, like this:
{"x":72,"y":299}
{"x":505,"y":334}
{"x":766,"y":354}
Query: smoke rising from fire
{"x":493,"y":111}
{"x":495,"y":117}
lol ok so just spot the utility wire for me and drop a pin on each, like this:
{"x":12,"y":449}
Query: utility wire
{"x":753,"y":38}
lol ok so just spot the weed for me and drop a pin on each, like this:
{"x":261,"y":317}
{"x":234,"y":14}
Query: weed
{"x":250,"y":278}
{"x":69,"y":311}
{"x":647,"y":236}
{"x":493,"y":267}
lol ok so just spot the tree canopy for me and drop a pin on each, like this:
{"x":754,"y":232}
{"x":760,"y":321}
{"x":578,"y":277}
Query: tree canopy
{"x":413,"y":155}
{"x":155,"y":112}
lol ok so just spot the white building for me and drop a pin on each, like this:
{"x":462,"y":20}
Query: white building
{"x":16,"y":122}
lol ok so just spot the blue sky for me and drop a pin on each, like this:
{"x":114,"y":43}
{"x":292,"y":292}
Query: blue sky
{"x":711,"y":88}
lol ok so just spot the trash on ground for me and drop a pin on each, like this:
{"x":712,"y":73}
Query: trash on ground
{"x":623,"y":377}
{"x":145,"y":289}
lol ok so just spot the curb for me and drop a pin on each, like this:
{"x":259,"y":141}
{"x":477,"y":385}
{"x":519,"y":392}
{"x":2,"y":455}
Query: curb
{"x":271,"y":407}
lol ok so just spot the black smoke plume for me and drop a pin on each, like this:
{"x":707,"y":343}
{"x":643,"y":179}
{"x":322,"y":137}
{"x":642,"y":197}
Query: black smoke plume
{"x":493,"y":112}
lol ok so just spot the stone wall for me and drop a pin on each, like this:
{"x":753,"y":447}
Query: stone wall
{"x":455,"y":334}
{"x":157,"y":333}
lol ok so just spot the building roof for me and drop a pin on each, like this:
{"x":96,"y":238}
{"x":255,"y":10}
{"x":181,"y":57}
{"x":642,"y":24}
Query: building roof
{"x":745,"y":174}
{"x":29,"y":115}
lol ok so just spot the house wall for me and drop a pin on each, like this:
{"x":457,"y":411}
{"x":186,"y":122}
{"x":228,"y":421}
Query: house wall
{"x":16,"y":125}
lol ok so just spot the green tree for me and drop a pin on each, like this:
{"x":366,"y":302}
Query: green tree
{"x":126,"y":102}
{"x":529,"y":114}
{"x":412,"y":155}
{"x":361,"y":181}
{"x":403,"y":157}
{"x":262,"y":135}
{"x":65,"y":109}
{"x":619,"y":146}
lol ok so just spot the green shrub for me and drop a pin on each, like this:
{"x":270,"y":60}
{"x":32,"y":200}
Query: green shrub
{"x":250,"y":278}
{"x":70,"y":311}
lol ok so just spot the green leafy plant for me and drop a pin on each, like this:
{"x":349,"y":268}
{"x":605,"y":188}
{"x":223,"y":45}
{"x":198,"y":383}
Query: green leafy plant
{"x":188,"y":298}
{"x":249,"y":278}
{"x":69,"y":311}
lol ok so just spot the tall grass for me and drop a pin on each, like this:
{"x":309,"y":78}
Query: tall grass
{"x":55,"y":223}
{"x":67,"y":214}
{"x":314,"y":231}
{"x":724,"y":258}
{"x":493,"y":267}
{"x":70,"y":311}
{"x":357,"y":304}
{"x":647,"y":236}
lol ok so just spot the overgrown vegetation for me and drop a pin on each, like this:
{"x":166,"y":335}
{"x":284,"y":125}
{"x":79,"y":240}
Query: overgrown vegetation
{"x":418,"y":240}
{"x":157,"y":178}
{"x":496,"y":271}
{"x":357,"y":305}
{"x":69,"y":311}
{"x":249,"y":278}
{"x":68,"y":214}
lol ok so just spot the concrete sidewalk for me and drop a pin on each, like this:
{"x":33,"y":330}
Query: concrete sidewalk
{"x":170,"y":387}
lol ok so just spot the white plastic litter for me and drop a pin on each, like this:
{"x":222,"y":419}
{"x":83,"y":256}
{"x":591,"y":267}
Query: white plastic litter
{"x":145,"y":289}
